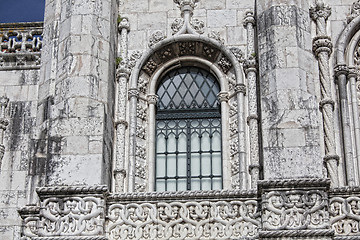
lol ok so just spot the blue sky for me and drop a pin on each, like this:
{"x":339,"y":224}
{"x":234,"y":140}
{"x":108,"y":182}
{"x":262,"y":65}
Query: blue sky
{"x":21,"y":11}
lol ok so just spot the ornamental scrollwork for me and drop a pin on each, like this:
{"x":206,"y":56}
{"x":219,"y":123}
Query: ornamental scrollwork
{"x":156,"y":37}
{"x":198,"y":25}
{"x":294,"y":210}
{"x":134,"y":57}
{"x":176,"y":25}
{"x":179,"y":220}
{"x":345,"y":215}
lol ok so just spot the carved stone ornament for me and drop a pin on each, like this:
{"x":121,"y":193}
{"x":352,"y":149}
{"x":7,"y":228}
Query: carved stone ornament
{"x":140,"y":170}
{"x":150,"y":67}
{"x":249,"y":18}
{"x":134,"y":57}
{"x":186,"y":3}
{"x":233,"y":108}
{"x":156,"y":37}
{"x":294,"y":210}
{"x":141,"y":112}
{"x":142,"y":85}
{"x":355,"y":11}
{"x":123,"y":70}
{"x":198,"y":25}
{"x":341,"y":70}
{"x":345,"y":215}
{"x":225,"y":64}
{"x":239,"y":55}
{"x":152,"y":99}
{"x":176,"y":25}
{"x":217,"y":36}
{"x":140,"y":132}
{"x":320,"y":11}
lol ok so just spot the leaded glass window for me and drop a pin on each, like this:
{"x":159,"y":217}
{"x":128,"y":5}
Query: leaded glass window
{"x":188,"y":131}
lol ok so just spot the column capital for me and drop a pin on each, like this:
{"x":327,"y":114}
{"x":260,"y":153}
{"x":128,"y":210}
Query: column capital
{"x":249,"y":18}
{"x":123,"y":71}
{"x":322,"y":44}
{"x":124,"y":24}
{"x":341,"y":69}
{"x":240,"y":88}
{"x":133,"y":92}
{"x":223,"y":96}
{"x":152,"y":99}
{"x":250,"y":64}
{"x":320,"y":10}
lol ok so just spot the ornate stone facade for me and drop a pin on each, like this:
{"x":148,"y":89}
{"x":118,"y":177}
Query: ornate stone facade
{"x":79,"y":115}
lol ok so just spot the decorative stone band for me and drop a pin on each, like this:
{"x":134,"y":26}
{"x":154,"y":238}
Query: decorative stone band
{"x":291,"y":183}
{"x":322,"y":44}
{"x":68,"y":238}
{"x":124,"y":24}
{"x":66,"y":190}
{"x":297,"y":233}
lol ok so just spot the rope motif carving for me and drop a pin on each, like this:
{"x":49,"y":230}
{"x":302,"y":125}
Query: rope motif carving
{"x":345,"y":215}
{"x":190,"y":220}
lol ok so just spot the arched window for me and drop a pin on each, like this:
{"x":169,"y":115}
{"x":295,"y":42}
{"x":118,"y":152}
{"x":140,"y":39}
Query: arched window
{"x":188,"y":131}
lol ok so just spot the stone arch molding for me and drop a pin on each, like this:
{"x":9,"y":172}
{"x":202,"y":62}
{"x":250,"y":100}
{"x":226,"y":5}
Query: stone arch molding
{"x":173,"y":52}
{"x":346,"y":72}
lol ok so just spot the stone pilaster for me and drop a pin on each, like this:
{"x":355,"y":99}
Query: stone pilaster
{"x":78,"y":76}
{"x":289,"y":109}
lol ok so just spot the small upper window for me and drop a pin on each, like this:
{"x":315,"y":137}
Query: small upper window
{"x":188,"y":131}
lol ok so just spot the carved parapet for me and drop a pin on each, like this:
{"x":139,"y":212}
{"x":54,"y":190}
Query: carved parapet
{"x":66,"y":212}
{"x":295,"y":208}
{"x":322,"y":44}
{"x":183,"y":215}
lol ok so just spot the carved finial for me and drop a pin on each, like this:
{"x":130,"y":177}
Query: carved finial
{"x":186,"y":4}
{"x":355,"y":11}
{"x":320,"y":11}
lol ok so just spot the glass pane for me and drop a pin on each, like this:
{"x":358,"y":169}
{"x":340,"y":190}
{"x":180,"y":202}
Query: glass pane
{"x":160,"y":185}
{"x":182,"y":142}
{"x":182,"y":185}
{"x":205,"y":141}
{"x":216,"y":141}
{"x":160,"y":165}
{"x":160,"y":143}
{"x":195,"y":164}
{"x":171,"y":165}
{"x":182,"y":165}
{"x":205,"y":164}
{"x":171,"y":143}
{"x":195,"y":184}
{"x":217,"y":183}
{"x":171,"y":185}
{"x":216,"y":163}
{"x":206,"y":184}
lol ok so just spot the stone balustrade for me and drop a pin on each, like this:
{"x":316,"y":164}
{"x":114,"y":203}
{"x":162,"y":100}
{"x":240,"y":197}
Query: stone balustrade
{"x":20,"y":45}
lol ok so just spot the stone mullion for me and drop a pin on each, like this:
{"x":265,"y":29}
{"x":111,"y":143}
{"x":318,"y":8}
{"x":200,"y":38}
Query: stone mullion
{"x":322,"y":49}
{"x":341,"y":71}
{"x":352,"y":77}
{"x":250,"y":70}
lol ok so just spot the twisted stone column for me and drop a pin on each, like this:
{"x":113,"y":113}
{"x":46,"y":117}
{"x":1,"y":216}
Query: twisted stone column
{"x":124,"y":28}
{"x":322,"y":48}
{"x":250,"y":67}
{"x":122,"y":77}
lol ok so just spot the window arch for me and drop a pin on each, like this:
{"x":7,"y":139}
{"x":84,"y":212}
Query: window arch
{"x":188,"y":131}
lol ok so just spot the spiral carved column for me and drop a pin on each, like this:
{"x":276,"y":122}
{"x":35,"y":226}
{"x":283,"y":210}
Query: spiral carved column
{"x":322,"y":48}
{"x":250,"y":67}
